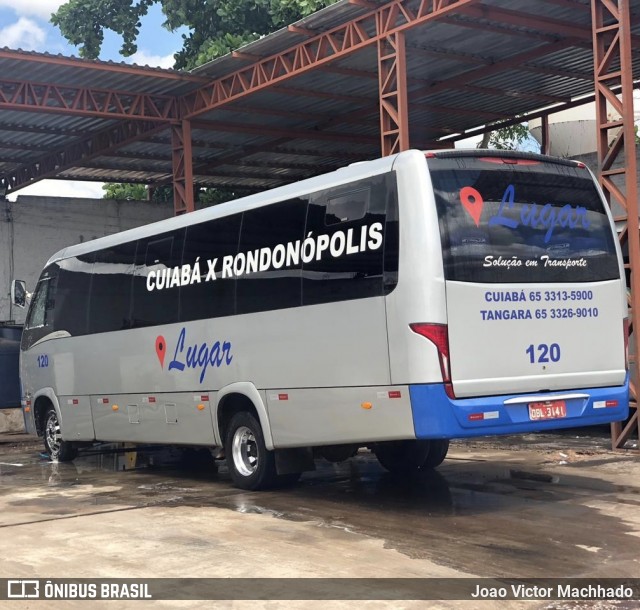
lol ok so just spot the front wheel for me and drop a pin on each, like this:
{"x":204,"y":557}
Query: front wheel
{"x":58,"y":449}
{"x":250,"y":464}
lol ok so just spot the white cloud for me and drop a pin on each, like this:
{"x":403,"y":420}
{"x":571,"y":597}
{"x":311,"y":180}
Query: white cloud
{"x":37,"y":8}
{"x":142,"y":58}
{"x":24,"y":34}
{"x":62,"y":188}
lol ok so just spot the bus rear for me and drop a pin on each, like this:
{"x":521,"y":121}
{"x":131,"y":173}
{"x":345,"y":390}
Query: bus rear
{"x":534,"y":335}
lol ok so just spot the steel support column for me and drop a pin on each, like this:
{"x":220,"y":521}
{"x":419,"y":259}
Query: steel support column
{"x":394,"y":108}
{"x":182,"y":161}
{"x":611,"y":25}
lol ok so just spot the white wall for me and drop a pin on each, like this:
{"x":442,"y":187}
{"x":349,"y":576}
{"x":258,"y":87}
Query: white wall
{"x":34,"y":228}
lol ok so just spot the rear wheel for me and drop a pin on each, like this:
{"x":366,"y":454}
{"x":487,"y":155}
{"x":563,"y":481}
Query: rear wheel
{"x":405,"y":457}
{"x":58,"y":449}
{"x":250,"y":464}
{"x":438,"y":449}
{"x":402,"y":457}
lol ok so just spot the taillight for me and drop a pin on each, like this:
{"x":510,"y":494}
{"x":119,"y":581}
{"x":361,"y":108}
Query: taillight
{"x":625,"y":332}
{"x":438,"y":334}
{"x":510,"y":161}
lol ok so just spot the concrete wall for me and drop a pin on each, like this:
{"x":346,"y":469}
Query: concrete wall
{"x":34,"y":228}
{"x":11,"y":420}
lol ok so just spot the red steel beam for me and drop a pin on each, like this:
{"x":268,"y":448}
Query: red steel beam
{"x":182,"y":161}
{"x":514,"y":93}
{"x":100,"y":143}
{"x":480,"y":73}
{"x":100,"y":66}
{"x":357,"y":34}
{"x":394,"y":107}
{"x":86,"y":101}
{"x":276,"y":132}
{"x":520,"y":19}
{"x":613,"y":74}
{"x":504,"y":30}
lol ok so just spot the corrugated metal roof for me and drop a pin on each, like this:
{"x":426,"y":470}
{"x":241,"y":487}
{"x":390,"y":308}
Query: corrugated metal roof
{"x":494,"y":59}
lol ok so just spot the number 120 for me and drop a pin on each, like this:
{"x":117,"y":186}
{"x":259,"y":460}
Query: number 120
{"x":543,"y":353}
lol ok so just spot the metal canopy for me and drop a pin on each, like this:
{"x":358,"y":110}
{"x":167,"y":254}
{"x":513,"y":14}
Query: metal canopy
{"x":299,"y":102}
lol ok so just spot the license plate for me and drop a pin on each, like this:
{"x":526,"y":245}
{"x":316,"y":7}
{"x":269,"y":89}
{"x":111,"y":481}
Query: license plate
{"x":551,"y":409}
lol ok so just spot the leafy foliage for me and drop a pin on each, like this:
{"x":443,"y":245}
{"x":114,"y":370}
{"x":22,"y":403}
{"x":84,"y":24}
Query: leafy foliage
{"x":506,"y":138}
{"x":128,"y":192}
{"x":204,"y":197}
{"x":215,"y":27}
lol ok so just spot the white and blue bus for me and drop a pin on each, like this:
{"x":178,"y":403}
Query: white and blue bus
{"x":393,"y":304}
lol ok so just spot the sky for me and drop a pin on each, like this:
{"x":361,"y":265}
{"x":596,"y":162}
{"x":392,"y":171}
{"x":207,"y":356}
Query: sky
{"x":24,"y":24}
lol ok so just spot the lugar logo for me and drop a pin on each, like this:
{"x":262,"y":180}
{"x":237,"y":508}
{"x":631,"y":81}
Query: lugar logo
{"x":216,"y":354}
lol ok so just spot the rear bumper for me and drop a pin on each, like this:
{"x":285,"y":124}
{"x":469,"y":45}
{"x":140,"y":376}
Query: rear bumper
{"x":435,"y":415}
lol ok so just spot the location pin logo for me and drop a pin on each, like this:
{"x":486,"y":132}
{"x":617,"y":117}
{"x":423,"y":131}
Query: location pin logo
{"x":161,"y":349}
{"x":472,"y":202}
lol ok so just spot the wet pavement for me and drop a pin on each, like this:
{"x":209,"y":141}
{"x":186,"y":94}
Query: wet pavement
{"x":552,"y":506}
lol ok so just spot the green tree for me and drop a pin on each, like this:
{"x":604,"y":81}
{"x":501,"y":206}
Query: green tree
{"x":505,"y":138}
{"x":129,"y":192}
{"x":215,"y":26}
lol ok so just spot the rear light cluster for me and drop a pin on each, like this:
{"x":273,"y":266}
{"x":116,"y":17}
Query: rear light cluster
{"x":438,"y":334}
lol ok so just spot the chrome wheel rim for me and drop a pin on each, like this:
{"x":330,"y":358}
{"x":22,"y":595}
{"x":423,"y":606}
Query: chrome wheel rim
{"x":52,"y":434}
{"x":245,"y":451}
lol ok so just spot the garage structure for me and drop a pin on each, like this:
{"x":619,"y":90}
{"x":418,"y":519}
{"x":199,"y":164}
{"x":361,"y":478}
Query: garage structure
{"x":357,"y":80}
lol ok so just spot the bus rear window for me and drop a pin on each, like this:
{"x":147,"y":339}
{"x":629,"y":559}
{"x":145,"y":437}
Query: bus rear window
{"x":526,"y":221}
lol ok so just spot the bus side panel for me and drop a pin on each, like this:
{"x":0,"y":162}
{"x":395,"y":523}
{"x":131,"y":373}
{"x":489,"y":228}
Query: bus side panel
{"x":341,"y":344}
{"x":153,"y":418}
{"x":77,"y":422}
{"x":420,"y":294}
{"x":339,"y":415}
{"x":334,"y":345}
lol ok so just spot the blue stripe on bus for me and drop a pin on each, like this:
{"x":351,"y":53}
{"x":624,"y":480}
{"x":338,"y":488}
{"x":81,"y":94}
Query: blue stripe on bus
{"x":435,"y":415}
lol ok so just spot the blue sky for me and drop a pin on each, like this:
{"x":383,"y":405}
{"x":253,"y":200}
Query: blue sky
{"x":24,"y":24}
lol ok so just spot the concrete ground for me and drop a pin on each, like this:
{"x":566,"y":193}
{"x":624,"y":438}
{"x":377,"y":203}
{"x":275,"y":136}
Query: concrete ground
{"x":552,"y":506}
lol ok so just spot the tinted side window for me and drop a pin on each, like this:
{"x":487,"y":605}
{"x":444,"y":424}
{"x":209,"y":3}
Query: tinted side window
{"x":39,"y":321}
{"x":210,"y":242}
{"x":391,"y":235}
{"x":351,"y":266}
{"x":156,"y":279}
{"x":268,"y":264}
{"x":344,"y":207}
{"x":111,"y":287}
{"x":72,"y":294}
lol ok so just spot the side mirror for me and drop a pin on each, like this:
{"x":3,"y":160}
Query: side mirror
{"x":19,"y":293}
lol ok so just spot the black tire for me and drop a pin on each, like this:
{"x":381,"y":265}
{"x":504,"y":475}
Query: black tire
{"x":58,"y":449}
{"x":402,"y":457}
{"x":251,"y":466}
{"x":438,"y":448}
